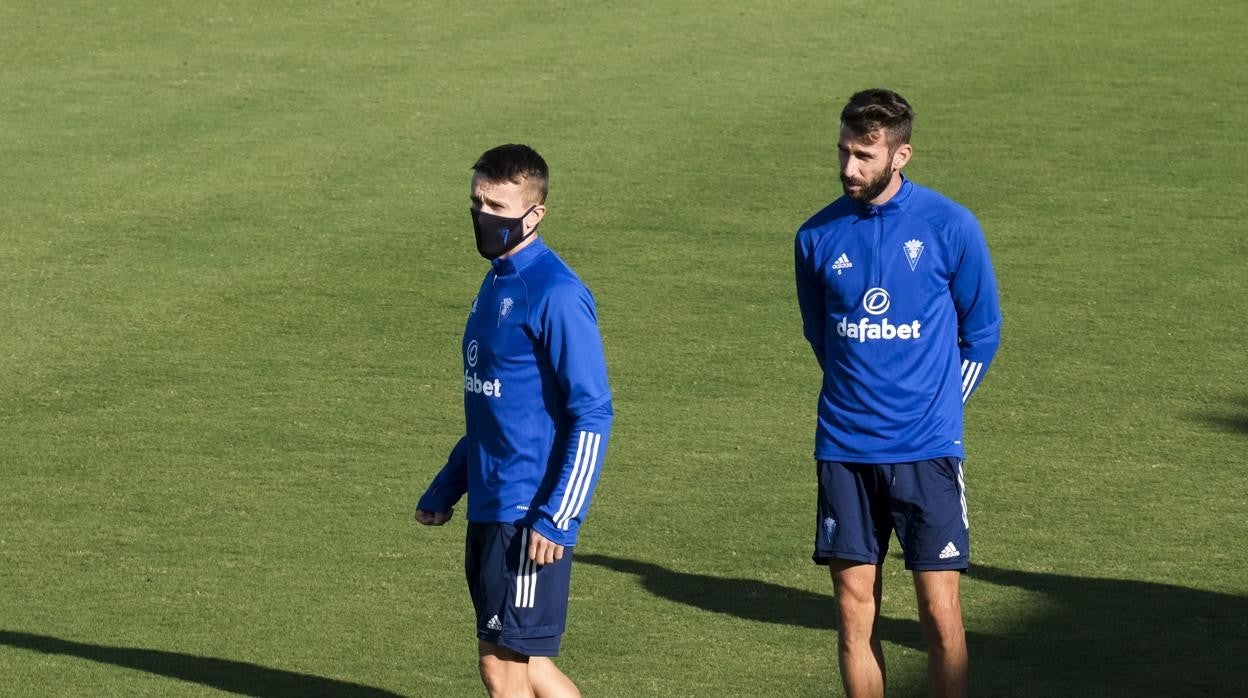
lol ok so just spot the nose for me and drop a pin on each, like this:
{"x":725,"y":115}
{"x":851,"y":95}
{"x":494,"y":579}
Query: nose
{"x":849,"y":168}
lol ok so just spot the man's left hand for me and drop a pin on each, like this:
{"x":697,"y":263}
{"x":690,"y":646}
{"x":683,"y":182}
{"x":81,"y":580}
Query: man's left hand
{"x":543,"y":551}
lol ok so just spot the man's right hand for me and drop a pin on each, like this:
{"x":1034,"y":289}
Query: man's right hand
{"x":434,"y":518}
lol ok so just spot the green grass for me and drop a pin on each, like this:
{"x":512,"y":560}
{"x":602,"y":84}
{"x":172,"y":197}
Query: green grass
{"x":235,"y":260}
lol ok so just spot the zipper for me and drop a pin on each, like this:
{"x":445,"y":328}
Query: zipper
{"x":876,"y":262}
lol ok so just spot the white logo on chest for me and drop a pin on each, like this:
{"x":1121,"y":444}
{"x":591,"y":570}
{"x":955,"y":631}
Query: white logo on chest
{"x":842,"y":263}
{"x":914,"y":250}
{"x":876,"y":301}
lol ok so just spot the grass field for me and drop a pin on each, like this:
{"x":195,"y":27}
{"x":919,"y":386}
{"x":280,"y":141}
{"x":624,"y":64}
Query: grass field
{"x":235,"y":261}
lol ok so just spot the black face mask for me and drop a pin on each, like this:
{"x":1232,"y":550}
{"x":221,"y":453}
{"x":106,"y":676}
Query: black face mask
{"x":496,"y":235}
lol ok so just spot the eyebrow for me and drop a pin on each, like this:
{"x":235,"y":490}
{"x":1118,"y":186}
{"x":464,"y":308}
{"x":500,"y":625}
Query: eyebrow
{"x":493,"y":203}
{"x":858,"y":151}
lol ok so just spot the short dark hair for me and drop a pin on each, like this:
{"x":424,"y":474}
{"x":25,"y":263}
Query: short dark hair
{"x":879,"y":109}
{"x":516,"y":163}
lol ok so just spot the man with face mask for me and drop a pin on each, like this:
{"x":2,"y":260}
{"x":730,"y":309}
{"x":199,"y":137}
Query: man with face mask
{"x":899,"y":302}
{"x":537,"y":409}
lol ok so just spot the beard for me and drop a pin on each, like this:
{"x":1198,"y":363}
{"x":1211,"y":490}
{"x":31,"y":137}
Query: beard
{"x":870,"y":188}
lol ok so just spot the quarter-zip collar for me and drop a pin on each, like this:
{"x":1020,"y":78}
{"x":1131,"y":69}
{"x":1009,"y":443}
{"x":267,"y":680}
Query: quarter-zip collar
{"x":505,"y":266}
{"x":896,"y":203}
{"x":878,"y":212}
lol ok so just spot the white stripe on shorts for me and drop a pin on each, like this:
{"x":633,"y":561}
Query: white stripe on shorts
{"x":526,"y":575}
{"x":966,"y":523}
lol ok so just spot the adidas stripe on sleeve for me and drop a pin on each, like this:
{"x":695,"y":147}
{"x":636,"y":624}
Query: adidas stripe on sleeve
{"x":568,"y":503}
{"x":583,"y":467}
{"x":971,"y":373}
{"x":974,"y":290}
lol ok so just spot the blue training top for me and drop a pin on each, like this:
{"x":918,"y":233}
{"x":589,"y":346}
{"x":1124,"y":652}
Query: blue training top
{"x":537,"y":405}
{"x":899,"y":303}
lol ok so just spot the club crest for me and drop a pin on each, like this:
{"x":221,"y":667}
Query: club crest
{"x":914,"y":250}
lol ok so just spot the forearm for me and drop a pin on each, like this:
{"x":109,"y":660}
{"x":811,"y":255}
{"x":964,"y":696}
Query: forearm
{"x":560,"y":518}
{"x":451,"y":482}
{"x":810,"y":301}
{"x":977,"y":353}
{"x":973,"y":373}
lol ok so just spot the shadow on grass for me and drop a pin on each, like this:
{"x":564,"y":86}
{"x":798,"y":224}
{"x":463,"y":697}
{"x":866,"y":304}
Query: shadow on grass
{"x":1104,"y":637}
{"x":1115,"y":637}
{"x":1233,"y":421}
{"x":748,"y":598}
{"x":763,"y":602}
{"x":222,"y":674}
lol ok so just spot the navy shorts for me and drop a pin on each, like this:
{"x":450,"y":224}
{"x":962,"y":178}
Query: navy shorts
{"x":520,"y":605}
{"x":861,"y":504}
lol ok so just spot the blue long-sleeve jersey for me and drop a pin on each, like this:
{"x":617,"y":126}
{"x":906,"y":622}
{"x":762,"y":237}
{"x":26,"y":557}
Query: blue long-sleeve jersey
{"x":899,"y":303}
{"x":537,"y":405}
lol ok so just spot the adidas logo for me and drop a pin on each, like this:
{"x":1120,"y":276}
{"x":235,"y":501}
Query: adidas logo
{"x":494,"y":623}
{"x":949,"y":551}
{"x":842,"y":263}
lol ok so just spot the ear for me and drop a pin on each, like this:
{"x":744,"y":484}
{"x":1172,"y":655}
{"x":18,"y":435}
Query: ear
{"x":902,"y":156}
{"x":535,"y":216}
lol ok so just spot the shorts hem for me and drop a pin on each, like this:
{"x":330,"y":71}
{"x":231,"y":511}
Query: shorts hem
{"x":545,"y":646}
{"x":825,"y":560}
{"x":938,"y":567}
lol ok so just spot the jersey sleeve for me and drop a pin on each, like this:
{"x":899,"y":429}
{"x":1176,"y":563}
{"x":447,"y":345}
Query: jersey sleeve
{"x":974,"y":289}
{"x":560,"y":517}
{"x":450,"y":484}
{"x":810,"y":294}
{"x":568,"y":331}
{"x":567,"y":326}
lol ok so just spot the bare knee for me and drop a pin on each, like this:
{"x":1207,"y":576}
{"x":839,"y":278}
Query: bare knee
{"x":940,"y":609}
{"x":504,"y":672}
{"x":857,"y":618}
{"x":858,"y":588}
{"x":943,"y":625}
{"x":548,"y":681}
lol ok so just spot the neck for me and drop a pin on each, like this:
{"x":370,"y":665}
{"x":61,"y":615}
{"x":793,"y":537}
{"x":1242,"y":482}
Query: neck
{"x":527,"y":241}
{"x":894,"y":186}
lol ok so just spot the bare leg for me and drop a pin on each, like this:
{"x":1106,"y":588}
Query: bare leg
{"x":858,"y":586}
{"x":548,"y":681}
{"x":940,"y":612}
{"x":504,"y":672}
